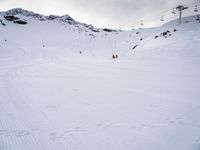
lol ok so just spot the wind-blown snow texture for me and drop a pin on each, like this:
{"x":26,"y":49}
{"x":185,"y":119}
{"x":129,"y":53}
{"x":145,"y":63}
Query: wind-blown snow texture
{"x":54,"y":98}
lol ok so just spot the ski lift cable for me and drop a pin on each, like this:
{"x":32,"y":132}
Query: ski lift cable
{"x":193,"y":7}
{"x":144,"y":21}
{"x":193,"y":3}
{"x":169,"y":12}
{"x":163,"y":17}
{"x":165,"y":14}
{"x":156,"y":17}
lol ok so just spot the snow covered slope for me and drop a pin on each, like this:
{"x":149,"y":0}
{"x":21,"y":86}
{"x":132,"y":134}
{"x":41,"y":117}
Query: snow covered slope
{"x":60,"y":89}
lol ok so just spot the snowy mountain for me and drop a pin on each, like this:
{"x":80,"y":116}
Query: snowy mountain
{"x":61,"y":89}
{"x":65,"y":19}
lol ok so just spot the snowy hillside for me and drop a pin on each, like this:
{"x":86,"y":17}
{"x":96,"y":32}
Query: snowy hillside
{"x":60,"y":89}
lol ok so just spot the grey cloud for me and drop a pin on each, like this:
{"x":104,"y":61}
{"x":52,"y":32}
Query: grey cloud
{"x":101,"y":13}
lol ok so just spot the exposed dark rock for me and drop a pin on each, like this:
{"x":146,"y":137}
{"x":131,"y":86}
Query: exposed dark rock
{"x":95,"y":30}
{"x":26,"y":13}
{"x":62,"y":19}
{"x":107,"y":30}
{"x":11,"y":18}
{"x":91,"y":35}
{"x":137,"y":32}
{"x":52,"y":17}
{"x":166,"y":34}
{"x":90,"y":27}
{"x":135,"y":47}
{"x":22,"y":22}
{"x":2,"y":23}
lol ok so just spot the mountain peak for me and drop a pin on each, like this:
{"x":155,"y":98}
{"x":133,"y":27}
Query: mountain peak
{"x":20,"y":11}
{"x":16,"y":11}
{"x":61,"y":19}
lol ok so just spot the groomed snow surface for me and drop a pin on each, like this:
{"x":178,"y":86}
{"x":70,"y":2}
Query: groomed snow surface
{"x":54,"y":98}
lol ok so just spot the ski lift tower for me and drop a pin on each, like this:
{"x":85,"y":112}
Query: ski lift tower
{"x":180,"y":8}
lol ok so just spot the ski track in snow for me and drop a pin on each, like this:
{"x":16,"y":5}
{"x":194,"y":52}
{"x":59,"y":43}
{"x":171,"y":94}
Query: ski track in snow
{"x":15,"y":131}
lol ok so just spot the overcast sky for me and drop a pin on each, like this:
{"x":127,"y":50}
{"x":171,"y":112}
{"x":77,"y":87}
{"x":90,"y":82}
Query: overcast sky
{"x":101,"y":13}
